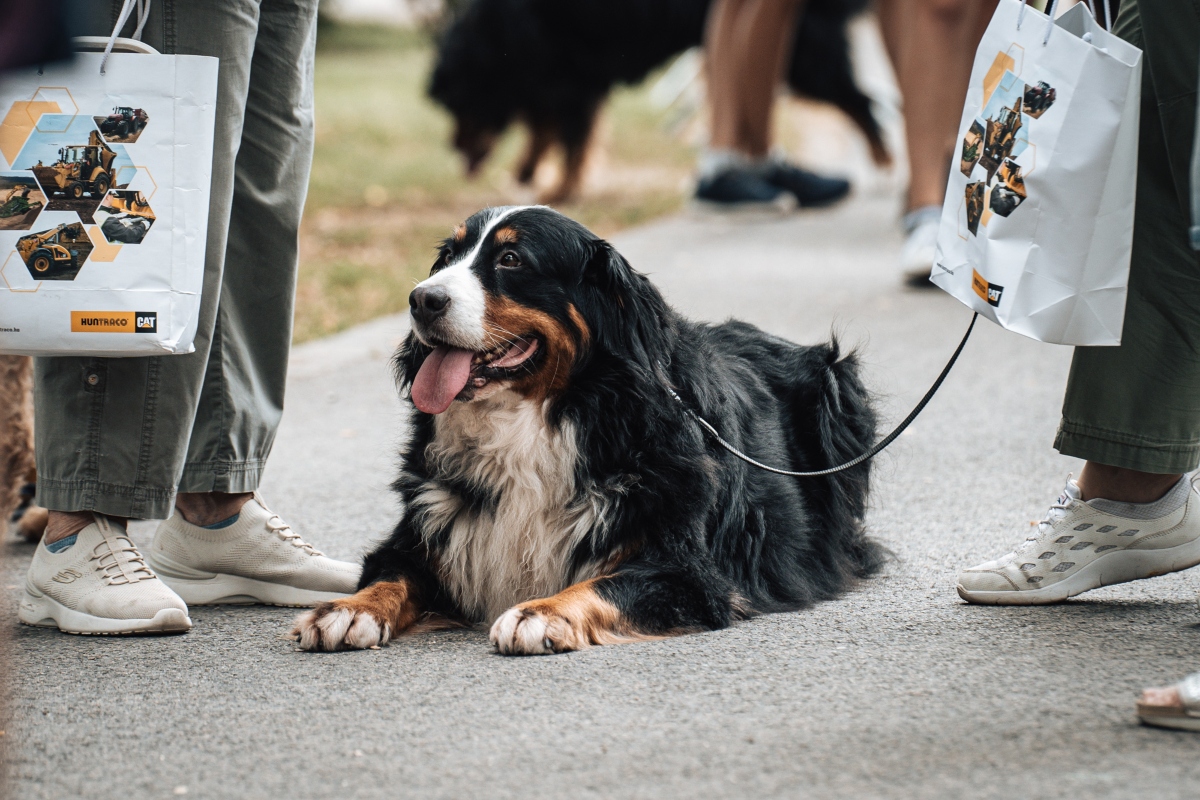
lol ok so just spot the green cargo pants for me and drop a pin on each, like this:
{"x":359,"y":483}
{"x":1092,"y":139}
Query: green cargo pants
{"x":1137,"y":406}
{"x":122,"y":435}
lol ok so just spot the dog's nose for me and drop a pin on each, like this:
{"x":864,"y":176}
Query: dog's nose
{"x":428,"y":303}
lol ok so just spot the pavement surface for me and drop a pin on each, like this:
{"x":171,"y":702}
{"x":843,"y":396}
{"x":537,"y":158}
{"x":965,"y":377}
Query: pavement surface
{"x":896,"y":690}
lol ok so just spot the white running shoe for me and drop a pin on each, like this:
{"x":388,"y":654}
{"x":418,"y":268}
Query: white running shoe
{"x":99,"y":585}
{"x":920,"y":246}
{"x":256,"y":559}
{"x":1084,"y":545}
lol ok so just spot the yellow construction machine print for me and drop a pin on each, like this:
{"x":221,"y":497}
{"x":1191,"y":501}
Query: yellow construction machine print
{"x":80,"y":169}
{"x":56,"y":254}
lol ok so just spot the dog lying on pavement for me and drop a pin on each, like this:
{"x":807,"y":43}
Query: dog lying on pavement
{"x":552,"y":485}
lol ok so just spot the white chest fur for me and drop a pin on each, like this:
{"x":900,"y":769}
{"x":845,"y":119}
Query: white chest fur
{"x":520,"y":548}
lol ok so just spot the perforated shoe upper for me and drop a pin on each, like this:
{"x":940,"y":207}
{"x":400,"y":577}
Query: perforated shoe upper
{"x":1076,"y":533}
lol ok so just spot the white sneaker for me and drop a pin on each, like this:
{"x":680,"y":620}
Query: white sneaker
{"x":920,"y":247}
{"x":1084,"y":545}
{"x":257,"y":559}
{"x":99,"y":585}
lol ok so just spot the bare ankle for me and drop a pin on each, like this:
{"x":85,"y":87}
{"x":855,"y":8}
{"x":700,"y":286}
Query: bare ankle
{"x":1122,"y":485}
{"x":209,"y":508}
{"x":61,"y":524}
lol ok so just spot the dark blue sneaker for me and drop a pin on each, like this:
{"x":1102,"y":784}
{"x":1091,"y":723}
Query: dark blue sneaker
{"x":739,"y":188}
{"x":810,"y":189}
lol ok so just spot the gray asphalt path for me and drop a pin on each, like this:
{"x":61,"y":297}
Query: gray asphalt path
{"x":897,"y":690}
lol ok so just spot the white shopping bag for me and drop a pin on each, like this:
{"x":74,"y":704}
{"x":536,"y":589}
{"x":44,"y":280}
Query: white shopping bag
{"x":104,"y":188}
{"x":1037,"y":223}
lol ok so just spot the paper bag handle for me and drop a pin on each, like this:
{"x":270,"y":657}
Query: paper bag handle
{"x":1049,"y":21}
{"x":1108,"y":21}
{"x":96,"y":44}
{"x":143,"y":9}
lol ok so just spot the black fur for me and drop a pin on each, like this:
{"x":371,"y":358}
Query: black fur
{"x":703,"y":539}
{"x":552,"y":63}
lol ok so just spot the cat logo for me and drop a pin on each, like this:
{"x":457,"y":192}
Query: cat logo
{"x":114,"y":322}
{"x":67,"y":576}
{"x":988,"y":292}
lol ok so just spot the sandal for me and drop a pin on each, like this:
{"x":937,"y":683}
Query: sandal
{"x":1176,"y":706}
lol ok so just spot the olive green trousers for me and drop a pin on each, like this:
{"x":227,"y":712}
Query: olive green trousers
{"x":1137,"y":406}
{"x":122,"y":435}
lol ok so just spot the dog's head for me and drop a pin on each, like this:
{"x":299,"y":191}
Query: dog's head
{"x":521,"y":298}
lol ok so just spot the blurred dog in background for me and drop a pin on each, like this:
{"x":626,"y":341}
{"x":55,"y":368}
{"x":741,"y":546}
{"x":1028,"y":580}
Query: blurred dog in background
{"x":17,"y":466}
{"x":551,"y":65}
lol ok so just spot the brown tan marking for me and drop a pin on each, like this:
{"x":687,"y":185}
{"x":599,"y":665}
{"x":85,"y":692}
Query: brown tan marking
{"x":505,"y":318}
{"x":388,"y":603}
{"x":506,"y":235}
{"x":585,"y":333}
{"x":460,"y":232}
{"x":577,"y":618}
{"x":617,"y":557}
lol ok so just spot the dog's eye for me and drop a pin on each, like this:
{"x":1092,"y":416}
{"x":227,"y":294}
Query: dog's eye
{"x":509,"y":260}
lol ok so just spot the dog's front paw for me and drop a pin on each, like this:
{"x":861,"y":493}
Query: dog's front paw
{"x":340,"y":625}
{"x":525,"y":631}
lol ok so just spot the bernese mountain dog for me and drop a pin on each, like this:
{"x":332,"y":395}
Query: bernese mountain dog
{"x":552,"y":485}
{"x":551,"y":64}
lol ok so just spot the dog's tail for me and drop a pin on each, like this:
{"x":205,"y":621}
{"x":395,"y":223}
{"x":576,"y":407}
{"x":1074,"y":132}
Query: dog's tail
{"x":844,"y":427}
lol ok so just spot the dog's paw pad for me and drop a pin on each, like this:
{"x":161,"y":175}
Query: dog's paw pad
{"x":526,"y":632}
{"x":339,"y":626}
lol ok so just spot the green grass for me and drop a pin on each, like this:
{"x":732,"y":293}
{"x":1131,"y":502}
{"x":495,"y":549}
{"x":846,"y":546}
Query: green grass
{"x":386,"y":185}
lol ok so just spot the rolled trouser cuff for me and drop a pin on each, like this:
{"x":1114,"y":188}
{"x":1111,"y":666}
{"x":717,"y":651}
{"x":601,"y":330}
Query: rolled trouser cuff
{"x":222,"y":476}
{"x":1126,"y":450}
{"x":116,"y":500}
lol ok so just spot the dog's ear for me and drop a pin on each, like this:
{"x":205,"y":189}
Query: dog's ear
{"x":627,"y":314}
{"x":605,"y":268}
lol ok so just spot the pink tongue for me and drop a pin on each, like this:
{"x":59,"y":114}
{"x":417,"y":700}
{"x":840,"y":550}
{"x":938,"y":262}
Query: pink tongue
{"x":440,"y":379}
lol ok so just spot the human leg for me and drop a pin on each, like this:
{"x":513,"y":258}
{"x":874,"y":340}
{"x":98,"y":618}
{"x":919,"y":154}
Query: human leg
{"x":933,"y":53}
{"x":112,"y":434}
{"x":1124,"y":485}
{"x":1137,"y":406}
{"x":206,"y":421}
{"x":1133,"y":411}
{"x":747,"y":44}
{"x":241,"y":399}
{"x":224,"y":544}
{"x":932,"y":45}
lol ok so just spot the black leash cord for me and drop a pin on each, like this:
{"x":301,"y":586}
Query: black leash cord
{"x":874,"y":451}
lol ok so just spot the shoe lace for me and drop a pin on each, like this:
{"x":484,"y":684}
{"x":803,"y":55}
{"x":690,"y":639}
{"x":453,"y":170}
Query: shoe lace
{"x":276,"y":525}
{"x":119,"y":562}
{"x":1045,"y":525}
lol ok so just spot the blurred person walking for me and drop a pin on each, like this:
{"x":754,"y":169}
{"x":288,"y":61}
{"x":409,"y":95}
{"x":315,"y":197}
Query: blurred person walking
{"x":185,"y":438}
{"x":932,"y":46}
{"x":747,"y":44}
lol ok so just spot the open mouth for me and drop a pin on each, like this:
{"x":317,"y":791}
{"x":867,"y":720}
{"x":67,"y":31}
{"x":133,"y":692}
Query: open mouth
{"x":448,"y":371}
